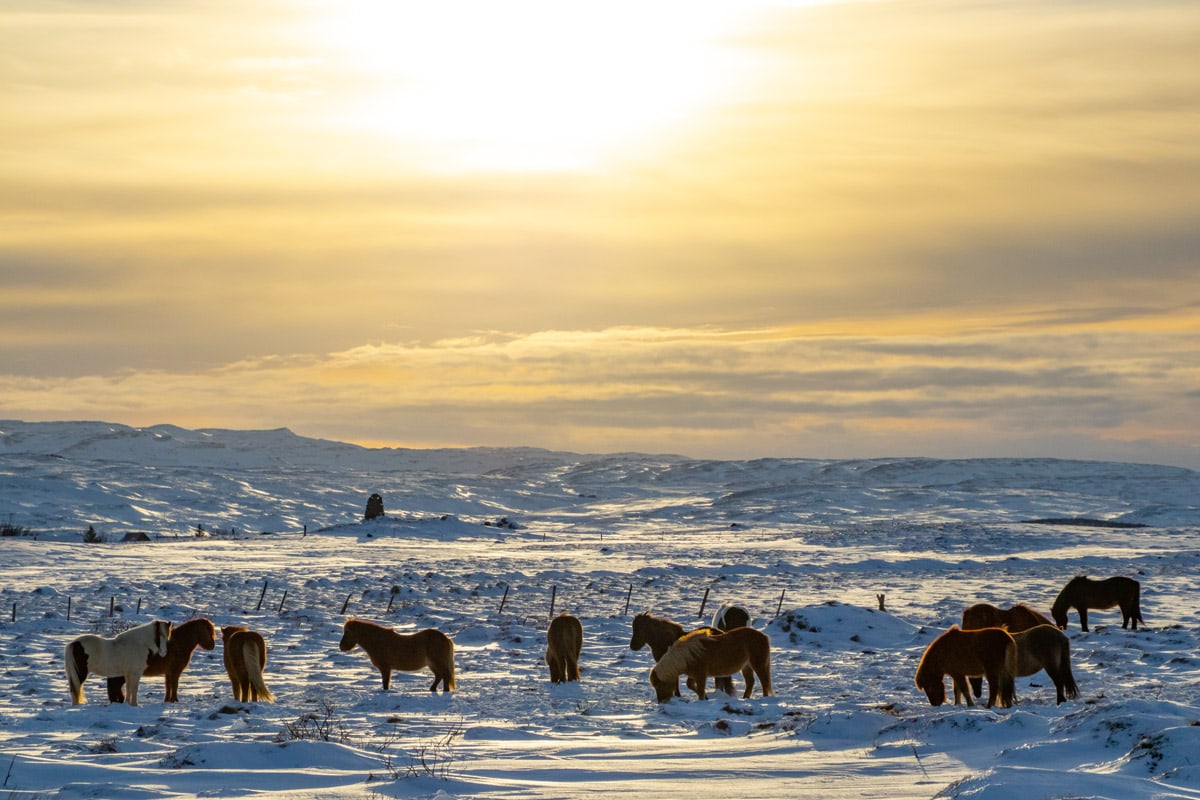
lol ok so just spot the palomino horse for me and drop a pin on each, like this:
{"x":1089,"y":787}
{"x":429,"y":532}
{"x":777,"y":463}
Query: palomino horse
{"x":185,"y":638}
{"x":1018,"y":618}
{"x":990,"y":652}
{"x":125,"y":655}
{"x":389,"y":650}
{"x":660,"y":633}
{"x":245,"y":659}
{"x":700,"y":654}
{"x":564,"y":641}
{"x":730,"y":616}
{"x":1082,"y":593}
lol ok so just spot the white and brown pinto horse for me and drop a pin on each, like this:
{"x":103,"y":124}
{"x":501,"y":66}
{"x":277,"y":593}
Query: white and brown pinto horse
{"x":126,"y":655}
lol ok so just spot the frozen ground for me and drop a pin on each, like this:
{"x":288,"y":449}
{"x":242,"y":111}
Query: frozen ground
{"x":805,"y":545}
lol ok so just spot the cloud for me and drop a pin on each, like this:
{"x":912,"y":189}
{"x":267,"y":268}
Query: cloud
{"x":704,"y":392}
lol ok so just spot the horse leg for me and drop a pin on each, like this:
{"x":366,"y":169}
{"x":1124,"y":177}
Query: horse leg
{"x":132,"y":679}
{"x":962,"y":690}
{"x":386,"y":674}
{"x":116,"y":689}
{"x":572,"y":668}
{"x":555,"y":669}
{"x":170,"y":688}
{"x":976,"y":685}
{"x":1083,"y":618}
{"x":724,"y":684}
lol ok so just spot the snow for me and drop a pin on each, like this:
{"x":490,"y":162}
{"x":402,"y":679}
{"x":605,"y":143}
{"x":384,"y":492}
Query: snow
{"x":479,"y":542}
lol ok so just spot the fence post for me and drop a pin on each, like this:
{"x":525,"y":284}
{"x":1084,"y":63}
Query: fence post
{"x":68,"y":608}
{"x":261,"y":595}
{"x":281,"y":602}
{"x":139,"y":608}
{"x":628,"y":597}
{"x":779,"y":607}
{"x":346,"y":604}
{"x":703,"y":602}
{"x":391,"y":600}
{"x":112,"y":604}
{"x":503,"y":599}
{"x":553,"y":594}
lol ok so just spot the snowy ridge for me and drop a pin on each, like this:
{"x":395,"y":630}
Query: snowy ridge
{"x":479,"y":543}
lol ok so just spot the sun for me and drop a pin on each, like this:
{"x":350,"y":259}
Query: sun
{"x":531,"y":84}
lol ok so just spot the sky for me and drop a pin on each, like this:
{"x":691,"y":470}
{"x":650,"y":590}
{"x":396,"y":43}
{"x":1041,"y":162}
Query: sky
{"x":721,"y":229}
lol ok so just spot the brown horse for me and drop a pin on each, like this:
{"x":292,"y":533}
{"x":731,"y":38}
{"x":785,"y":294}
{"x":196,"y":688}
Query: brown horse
{"x":389,"y":650}
{"x":564,"y":640}
{"x":245,"y":659}
{"x":1018,"y":618}
{"x":700,"y":654}
{"x":185,"y":638}
{"x":1046,"y":647}
{"x":1082,"y":593}
{"x":660,"y":633}
{"x":990,"y":652}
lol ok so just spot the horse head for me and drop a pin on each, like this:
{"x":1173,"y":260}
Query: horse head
{"x":663,"y":690}
{"x":208,"y":635}
{"x":162,"y":634}
{"x":639,"y":631}
{"x":349,"y":640}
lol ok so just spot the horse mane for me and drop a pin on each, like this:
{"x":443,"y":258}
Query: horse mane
{"x":682,"y":655}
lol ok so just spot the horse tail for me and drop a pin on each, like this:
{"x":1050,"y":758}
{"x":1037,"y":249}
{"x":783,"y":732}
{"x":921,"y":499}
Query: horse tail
{"x":450,"y":684}
{"x":75,"y":674}
{"x":1070,"y":689}
{"x":253,"y":660}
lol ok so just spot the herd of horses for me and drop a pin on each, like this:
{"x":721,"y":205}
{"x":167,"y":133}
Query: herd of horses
{"x":997,"y":644}
{"x":1004,"y":644}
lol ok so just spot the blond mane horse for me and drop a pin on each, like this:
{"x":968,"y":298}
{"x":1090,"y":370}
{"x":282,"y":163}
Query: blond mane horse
{"x":990,"y":652}
{"x":407,"y":652}
{"x":564,"y":641}
{"x":126,"y":655}
{"x":700,"y":654}
{"x":245,"y":660}
{"x":185,"y":638}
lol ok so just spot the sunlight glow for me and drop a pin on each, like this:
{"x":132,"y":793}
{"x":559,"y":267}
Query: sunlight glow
{"x":529,"y":85}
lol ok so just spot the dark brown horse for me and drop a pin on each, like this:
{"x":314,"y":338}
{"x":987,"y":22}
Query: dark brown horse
{"x":1082,"y":593}
{"x":564,"y":641}
{"x":1018,"y":618}
{"x":185,"y":638}
{"x":245,"y":660}
{"x":660,"y":633}
{"x":389,"y":650}
{"x":700,"y":654}
{"x":990,"y":652}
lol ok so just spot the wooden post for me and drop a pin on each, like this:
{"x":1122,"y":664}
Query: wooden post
{"x":503,"y":599}
{"x":391,"y":600}
{"x":880,"y":598}
{"x":346,"y":604}
{"x":68,"y":608}
{"x":628,"y":597}
{"x":284,"y":599}
{"x":779,"y":607}
{"x":139,"y":608}
{"x":112,"y":604}
{"x":261,"y":595}
{"x":703,"y":602}
{"x":553,"y":594}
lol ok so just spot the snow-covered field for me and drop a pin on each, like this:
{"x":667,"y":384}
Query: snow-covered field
{"x":480,"y":543}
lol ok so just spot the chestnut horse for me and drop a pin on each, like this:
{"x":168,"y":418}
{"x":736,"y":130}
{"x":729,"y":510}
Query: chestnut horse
{"x":700,"y":654}
{"x":125,"y":655}
{"x":564,"y":640}
{"x":389,"y":650}
{"x":991,"y":652}
{"x":185,"y":638}
{"x":1082,"y":593}
{"x":245,"y":659}
{"x":1018,"y":618}
{"x":660,"y":633}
